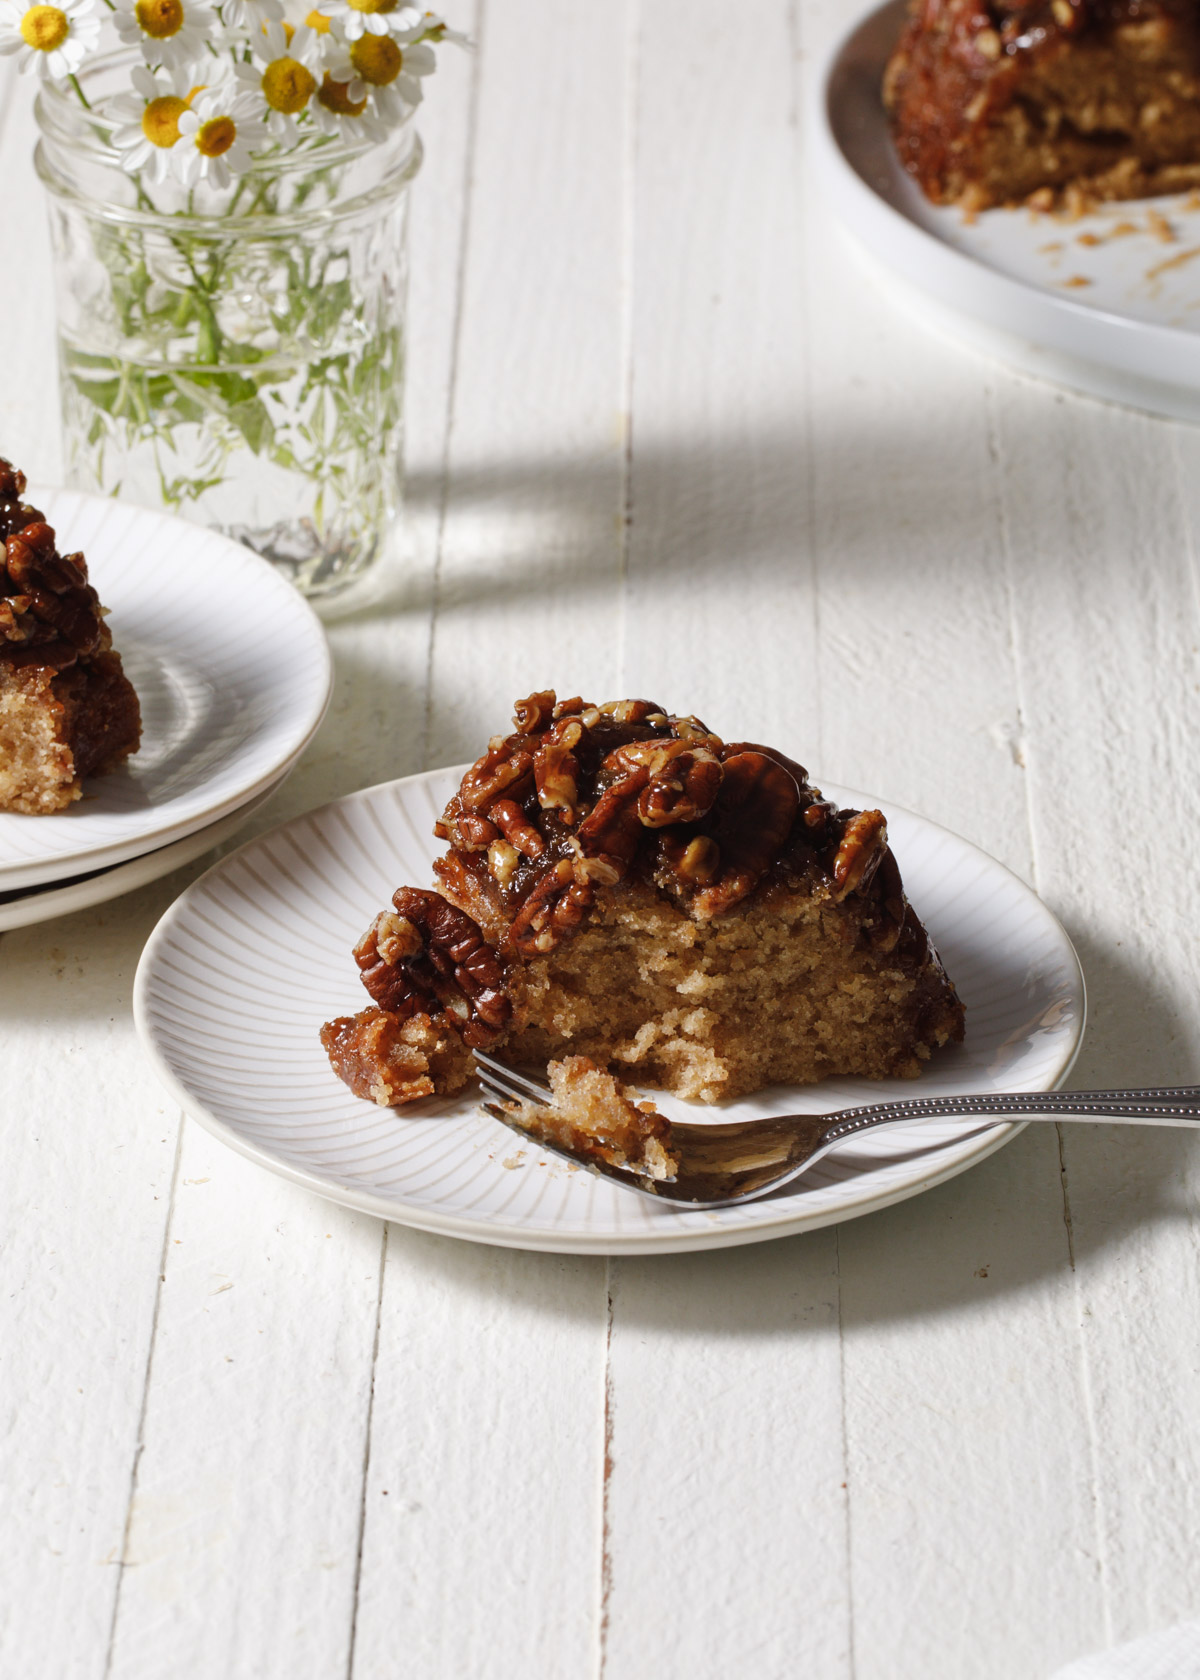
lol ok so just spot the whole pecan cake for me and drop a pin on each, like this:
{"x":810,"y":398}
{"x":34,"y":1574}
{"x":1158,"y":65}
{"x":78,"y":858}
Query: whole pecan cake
{"x":67,"y":709}
{"x":999,"y":101}
{"x":624,"y":893}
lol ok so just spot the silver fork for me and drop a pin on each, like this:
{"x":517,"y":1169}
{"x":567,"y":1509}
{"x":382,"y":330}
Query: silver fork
{"x":726,"y":1162}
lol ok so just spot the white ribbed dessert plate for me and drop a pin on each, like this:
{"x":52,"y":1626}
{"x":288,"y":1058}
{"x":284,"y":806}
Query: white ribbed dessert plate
{"x":240,"y":973}
{"x":30,"y":905}
{"x":1109,"y":304}
{"x":232,"y":670}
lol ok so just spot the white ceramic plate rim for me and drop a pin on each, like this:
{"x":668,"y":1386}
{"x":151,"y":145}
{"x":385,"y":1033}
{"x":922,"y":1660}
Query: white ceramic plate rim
{"x":1153,"y":354}
{"x":951,"y":1158}
{"x":303,"y":720}
{"x":44,"y":904}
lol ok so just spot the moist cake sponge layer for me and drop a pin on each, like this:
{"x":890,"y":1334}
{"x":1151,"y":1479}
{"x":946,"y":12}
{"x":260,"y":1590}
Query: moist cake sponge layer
{"x":714,"y":1010}
{"x":56,"y":727}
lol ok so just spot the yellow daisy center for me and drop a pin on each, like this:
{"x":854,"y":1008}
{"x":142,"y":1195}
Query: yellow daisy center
{"x":377,"y":59}
{"x":160,"y":120}
{"x":214,"y":138}
{"x":373,"y":5}
{"x":287,"y":86}
{"x":44,"y":27}
{"x":335,"y":96}
{"x":318,"y":21}
{"x":160,"y":19}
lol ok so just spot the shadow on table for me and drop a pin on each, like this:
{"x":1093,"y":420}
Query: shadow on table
{"x":715,"y":524}
{"x":1023,"y":1218}
{"x":1020,"y":1222}
{"x":702,"y":507}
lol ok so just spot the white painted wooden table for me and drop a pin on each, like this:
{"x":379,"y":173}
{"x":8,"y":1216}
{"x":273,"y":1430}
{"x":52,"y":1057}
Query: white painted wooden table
{"x":664,"y":440}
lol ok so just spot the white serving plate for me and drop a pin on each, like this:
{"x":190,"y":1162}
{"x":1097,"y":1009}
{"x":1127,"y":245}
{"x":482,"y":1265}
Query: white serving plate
{"x":232,"y":670}
{"x":1003,"y":281}
{"x":29,"y":905}
{"x":242,"y":970}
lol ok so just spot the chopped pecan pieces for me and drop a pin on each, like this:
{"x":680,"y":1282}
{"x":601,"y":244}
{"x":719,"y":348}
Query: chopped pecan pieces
{"x":504,"y":767}
{"x":432,"y":957}
{"x":534,"y":712}
{"x":753,"y":818}
{"x":468,"y":830}
{"x":556,"y":769}
{"x":691,"y":729}
{"x":393,"y":985}
{"x":396,"y":938}
{"x":860,"y":852}
{"x":799,"y":773}
{"x":516,"y":828}
{"x":893,"y":914}
{"x":15,"y":513}
{"x":555,"y":907}
{"x":49,"y":613}
{"x":817,"y":818}
{"x":694,"y":862}
{"x":614,"y":827}
{"x":503,"y":860}
{"x":633,"y":711}
{"x":684,"y":783}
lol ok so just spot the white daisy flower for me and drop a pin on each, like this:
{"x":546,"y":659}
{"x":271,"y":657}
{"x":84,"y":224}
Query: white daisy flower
{"x":147,"y":126}
{"x":285,"y":73}
{"x":170,"y":32}
{"x":354,"y":18}
{"x":392,"y":72}
{"x":342,"y":105}
{"x":434,"y":28}
{"x":53,"y":40}
{"x":250,"y":14}
{"x":217,"y":134}
{"x":330,"y":42}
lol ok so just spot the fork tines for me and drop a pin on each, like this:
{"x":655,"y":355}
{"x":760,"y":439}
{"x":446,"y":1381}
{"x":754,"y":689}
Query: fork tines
{"x":507,"y":1084}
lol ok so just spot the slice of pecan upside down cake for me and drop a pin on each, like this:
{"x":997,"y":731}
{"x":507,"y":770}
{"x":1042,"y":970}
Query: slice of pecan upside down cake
{"x":624,"y":893}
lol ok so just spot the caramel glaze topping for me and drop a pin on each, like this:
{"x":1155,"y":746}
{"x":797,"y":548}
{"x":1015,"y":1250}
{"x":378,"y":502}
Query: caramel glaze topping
{"x":985,"y":31}
{"x":1018,"y":18}
{"x":581,"y":797}
{"x":49,"y":613}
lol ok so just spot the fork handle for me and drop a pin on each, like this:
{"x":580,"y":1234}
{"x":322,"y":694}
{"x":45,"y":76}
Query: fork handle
{"x":1168,"y":1106}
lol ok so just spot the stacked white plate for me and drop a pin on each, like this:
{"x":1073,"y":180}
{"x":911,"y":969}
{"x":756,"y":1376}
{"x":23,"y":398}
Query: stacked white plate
{"x":1107,"y":304}
{"x":233,"y":673}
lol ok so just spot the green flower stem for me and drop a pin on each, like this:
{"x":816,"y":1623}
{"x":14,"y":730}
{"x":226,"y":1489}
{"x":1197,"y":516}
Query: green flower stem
{"x":240,"y":349}
{"x":195,"y":300}
{"x":208,"y":341}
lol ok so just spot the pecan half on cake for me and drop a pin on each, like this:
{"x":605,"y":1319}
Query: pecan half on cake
{"x":67,"y":709}
{"x":626,"y":892}
{"x":996,"y":101}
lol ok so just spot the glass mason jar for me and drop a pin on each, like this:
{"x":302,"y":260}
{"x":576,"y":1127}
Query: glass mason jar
{"x":235,"y":356}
